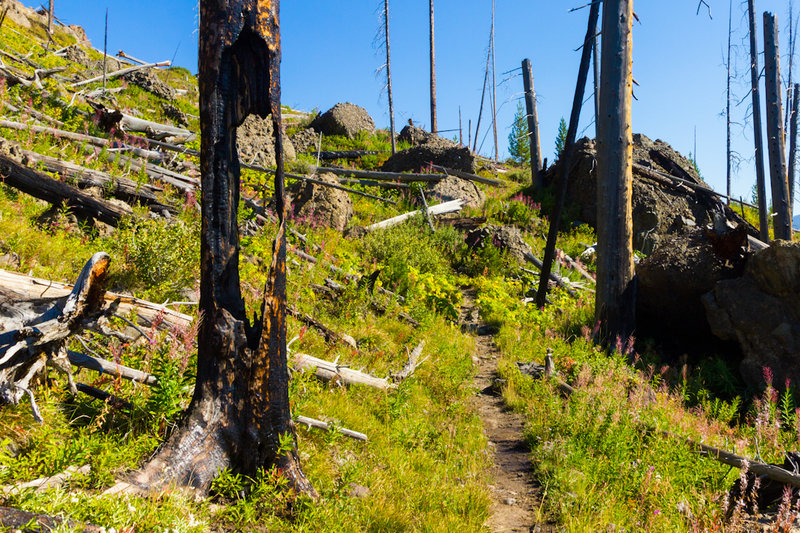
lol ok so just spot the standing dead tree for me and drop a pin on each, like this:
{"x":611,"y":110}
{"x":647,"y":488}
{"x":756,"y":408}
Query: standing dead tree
{"x":434,"y":126}
{"x":728,"y":108}
{"x":782,"y":223}
{"x":614,"y":306}
{"x":239,"y":416}
{"x":793,"y":142}
{"x":569,"y":145}
{"x":389,"y":73}
{"x":494,"y":88}
{"x":761,"y":188}
{"x":50,"y":17}
{"x":533,"y":125}
{"x":483,"y":94}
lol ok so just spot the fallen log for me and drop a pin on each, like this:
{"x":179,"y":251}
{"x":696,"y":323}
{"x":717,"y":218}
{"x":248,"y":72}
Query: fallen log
{"x":319,"y":424}
{"x":334,"y":186}
{"x":333,"y":372}
{"x":48,"y":482}
{"x":439,"y":209}
{"x":99,"y":394}
{"x":34,"y":113}
{"x":411,"y":365}
{"x":561,"y":282}
{"x":669,"y":179}
{"x":123,"y":188}
{"x":328,"y":333}
{"x":147,"y":313}
{"x":574,"y":265}
{"x":121,"y":72}
{"x":15,"y":518}
{"x":383,"y":176}
{"x":79,"y":137}
{"x":114,"y":119}
{"x":370,"y":183}
{"x":344,"y":154}
{"x":26,"y":352}
{"x":41,"y":186}
{"x":108,"y":367}
{"x":468,"y":176}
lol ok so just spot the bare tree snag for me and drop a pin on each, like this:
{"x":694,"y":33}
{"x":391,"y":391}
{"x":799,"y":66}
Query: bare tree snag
{"x":614,"y":307}
{"x":50,"y":15}
{"x":761,"y":188}
{"x":793,"y":142}
{"x":782,"y":222}
{"x":569,"y":146}
{"x":434,"y":125}
{"x":728,"y":108}
{"x":389,"y":74}
{"x":533,"y":125}
{"x":239,"y":415}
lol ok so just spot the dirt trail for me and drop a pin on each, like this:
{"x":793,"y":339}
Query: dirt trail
{"x":516,"y":496}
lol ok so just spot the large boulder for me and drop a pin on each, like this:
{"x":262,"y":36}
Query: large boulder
{"x":671,"y":283}
{"x":344,"y":119}
{"x":317,"y":204}
{"x":256,"y":144}
{"x":416,"y":136}
{"x":761,"y":312}
{"x":150,"y":82}
{"x":419,"y":158}
{"x":505,"y":238}
{"x":658,"y":209}
{"x":455,"y":188}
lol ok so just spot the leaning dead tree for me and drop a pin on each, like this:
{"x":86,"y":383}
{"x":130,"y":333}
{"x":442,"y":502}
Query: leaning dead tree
{"x":533,"y":124}
{"x":614,"y":306}
{"x":239,"y":416}
{"x":782,"y":223}
{"x":569,"y":148}
{"x":761,"y":188}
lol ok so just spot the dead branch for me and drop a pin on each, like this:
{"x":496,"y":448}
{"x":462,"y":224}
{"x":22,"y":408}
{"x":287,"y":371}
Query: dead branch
{"x":561,"y":282}
{"x":468,"y":176}
{"x":121,"y":72}
{"x":328,"y":333}
{"x":47,"y":482}
{"x":411,"y":365}
{"x":439,"y":209}
{"x":107,"y":367}
{"x":319,"y":424}
{"x":333,"y":372}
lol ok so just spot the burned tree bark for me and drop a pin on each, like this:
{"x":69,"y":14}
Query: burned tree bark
{"x":759,"y":143}
{"x":239,"y":416}
{"x":614,"y":307}
{"x":569,"y":146}
{"x":782,"y":223}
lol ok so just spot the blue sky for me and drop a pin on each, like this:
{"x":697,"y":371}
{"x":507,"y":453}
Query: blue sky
{"x":330,"y":55}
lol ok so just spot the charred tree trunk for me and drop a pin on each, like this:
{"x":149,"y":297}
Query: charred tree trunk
{"x":533,"y":125}
{"x":614,"y":307}
{"x":239,"y":413}
{"x":569,"y":145}
{"x":782,"y":223}
{"x":757,"y":139}
{"x":434,"y":125}
{"x":793,"y":142}
{"x":389,"y":73}
{"x":596,"y":73}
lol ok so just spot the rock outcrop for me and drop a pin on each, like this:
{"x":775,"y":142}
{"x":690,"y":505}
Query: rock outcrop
{"x":455,"y":188}
{"x":256,"y":145}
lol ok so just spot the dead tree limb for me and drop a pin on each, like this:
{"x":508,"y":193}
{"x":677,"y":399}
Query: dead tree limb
{"x":319,"y":424}
{"x":108,"y":367}
{"x":121,"y":72}
{"x":468,"y":176}
{"x":328,"y":333}
{"x":439,"y":209}
{"x":411,"y":365}
{"x":114,"y":119}
{"x":332,"y":371}
{"x":27,"y":352}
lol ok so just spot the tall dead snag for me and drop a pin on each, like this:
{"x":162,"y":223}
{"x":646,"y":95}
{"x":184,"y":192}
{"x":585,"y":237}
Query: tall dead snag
{"x":389,"y":74}
{"x":793,"y":142}
{"x":728,"y":108}
{"x":614,"y":305}
{"x":761,"y":188}
{"x":434,"y":125}
{"x":239,"y":413}
{"x":533,"y":125}
{"x":566,"y":154}
{"x":782,"y":223}
{"x":50,"y":19}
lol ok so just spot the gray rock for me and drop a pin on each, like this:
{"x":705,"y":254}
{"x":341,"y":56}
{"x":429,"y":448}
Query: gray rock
{"x":317,"y":204}
{"x":455,"y":188}
{"x":506,"y":238}
{"x":344,"y":119}
{"x":256,"y":144}
{"x":150,"y":82}
{"x":419,"y":158}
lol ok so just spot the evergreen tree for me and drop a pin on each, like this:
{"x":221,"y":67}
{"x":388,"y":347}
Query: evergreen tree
{"x":519,"y":146}
{"x":561,"y":138}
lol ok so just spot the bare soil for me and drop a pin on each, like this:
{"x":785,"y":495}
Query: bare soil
{"x":516,"y":495}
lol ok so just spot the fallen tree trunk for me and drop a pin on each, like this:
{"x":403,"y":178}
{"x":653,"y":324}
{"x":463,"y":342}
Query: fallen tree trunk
{"x":439,"y":209}
{"x":319,"y":424}
{"x":468,"y":176}
{"x":332,"y":371}
{"x":123,"y":188}
{"x":146,"y":312}
{"x":114,"y":119}
{"x":369,"y":183}
{"x":384,"y":176}
{"x":574,"y":265}
{"x":671,"y":180}
{"x":41,"y":186}
{"x":343,"y":154}
{"x":561,"y":282}
{"x":26,"y":352}
{"x":121,"y":72}
{"x":411,"y":365}
{"x":97,"y":141}
{"x":108,"y":367}
{"x":328,"y":333}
